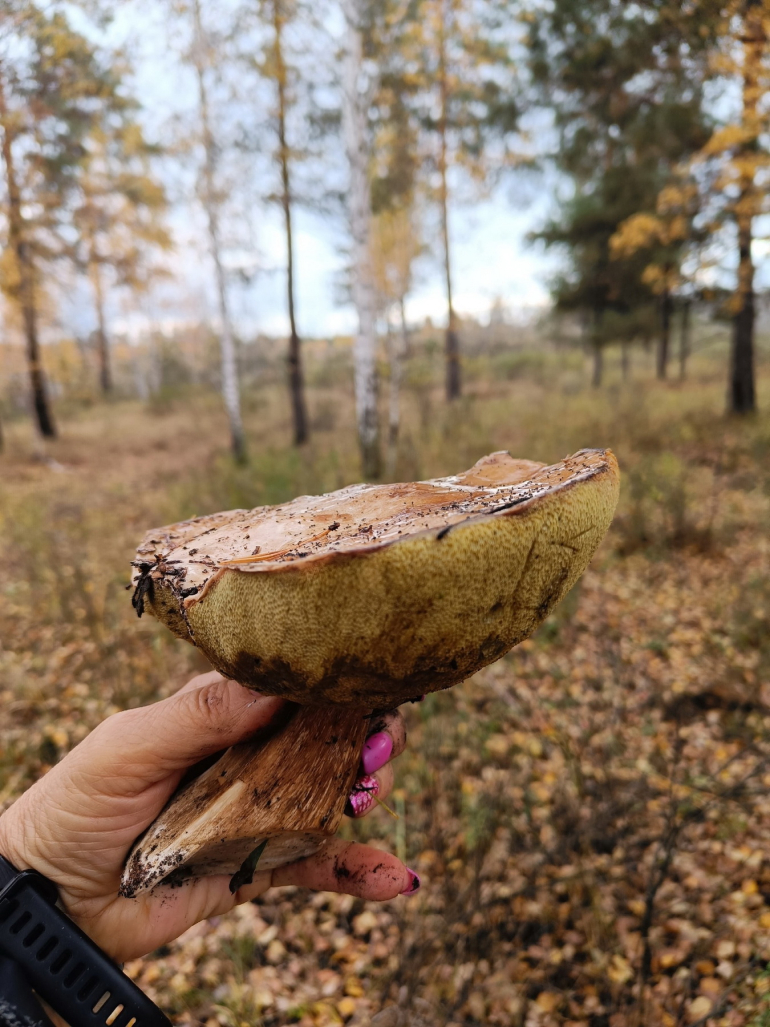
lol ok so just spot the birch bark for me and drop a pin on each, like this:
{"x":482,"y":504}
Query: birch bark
{"x":355,"y":102}
{"x":453,"y":376}
{"x":230,"y":384}
{"x":105,"y":365}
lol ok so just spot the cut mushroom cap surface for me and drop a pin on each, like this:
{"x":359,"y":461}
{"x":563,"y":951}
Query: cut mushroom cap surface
{"x":376,"y":594}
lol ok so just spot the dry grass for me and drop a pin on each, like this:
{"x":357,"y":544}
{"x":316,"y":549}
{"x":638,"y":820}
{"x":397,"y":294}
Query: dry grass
{"x":589,"y":814}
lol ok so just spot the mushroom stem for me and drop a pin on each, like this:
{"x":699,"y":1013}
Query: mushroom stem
{"x":286,"y":787}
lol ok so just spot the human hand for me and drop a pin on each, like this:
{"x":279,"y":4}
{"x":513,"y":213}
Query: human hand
{"x":77,"y":824}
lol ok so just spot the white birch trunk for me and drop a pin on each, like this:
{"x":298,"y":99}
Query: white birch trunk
{"x":355,"y":103}
{"x":397,"y":347}
{"x":230,"y":385}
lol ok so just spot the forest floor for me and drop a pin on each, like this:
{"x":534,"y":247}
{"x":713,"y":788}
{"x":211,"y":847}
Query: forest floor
{"x":590,"y":815}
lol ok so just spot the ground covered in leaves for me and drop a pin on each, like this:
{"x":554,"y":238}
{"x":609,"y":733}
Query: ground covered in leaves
{"x":590,"y":816}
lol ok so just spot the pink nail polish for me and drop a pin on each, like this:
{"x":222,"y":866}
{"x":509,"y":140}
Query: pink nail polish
{"x":361,"y":799}
{"x":376,"y":753}
{"x":414,"y":887}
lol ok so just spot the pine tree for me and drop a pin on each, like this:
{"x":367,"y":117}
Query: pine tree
{"x":667,"y":239}
{"x":610,"y":294}
{"x":625,"y":84}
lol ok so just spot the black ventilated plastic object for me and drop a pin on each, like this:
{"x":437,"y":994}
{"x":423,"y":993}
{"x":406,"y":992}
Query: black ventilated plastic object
{"x":61,"y":963}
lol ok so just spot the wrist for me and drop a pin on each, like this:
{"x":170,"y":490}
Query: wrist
{"x":10,"y":844}
{"x":17,"y":848}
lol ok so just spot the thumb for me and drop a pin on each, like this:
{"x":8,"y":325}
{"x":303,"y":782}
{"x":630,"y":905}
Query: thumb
{"x":144,"y":746}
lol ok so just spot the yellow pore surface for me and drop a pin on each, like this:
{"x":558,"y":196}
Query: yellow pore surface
{"x":375,"y":628}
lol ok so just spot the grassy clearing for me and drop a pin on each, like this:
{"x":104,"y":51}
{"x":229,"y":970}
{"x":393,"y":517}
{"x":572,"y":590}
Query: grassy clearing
{"x":589,"y":814}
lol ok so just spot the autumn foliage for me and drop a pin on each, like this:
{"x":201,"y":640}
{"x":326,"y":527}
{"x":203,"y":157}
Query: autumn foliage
{"x":589,"y":815}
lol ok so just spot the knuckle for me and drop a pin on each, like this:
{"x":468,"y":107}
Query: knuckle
{"x":212,"y":704}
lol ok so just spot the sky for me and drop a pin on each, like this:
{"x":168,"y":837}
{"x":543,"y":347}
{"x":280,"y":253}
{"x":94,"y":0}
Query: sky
{"x":492,"y":260}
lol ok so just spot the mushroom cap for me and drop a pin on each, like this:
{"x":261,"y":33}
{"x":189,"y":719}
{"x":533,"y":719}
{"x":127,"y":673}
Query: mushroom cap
{"x":376,"y":594}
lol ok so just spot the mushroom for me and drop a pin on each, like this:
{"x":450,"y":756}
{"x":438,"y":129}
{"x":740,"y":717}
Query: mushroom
{"x":345,"y":604}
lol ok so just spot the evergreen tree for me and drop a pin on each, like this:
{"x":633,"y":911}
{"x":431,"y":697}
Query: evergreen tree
{"x":625,"y":83}
{"x":609,"y":293}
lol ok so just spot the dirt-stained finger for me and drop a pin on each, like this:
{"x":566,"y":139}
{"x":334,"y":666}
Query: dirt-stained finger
{"x":351,"y":868}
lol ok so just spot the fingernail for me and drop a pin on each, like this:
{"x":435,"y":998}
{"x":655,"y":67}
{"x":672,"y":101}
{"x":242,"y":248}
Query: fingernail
{"x":377,"y":750}
{"x":361,"y":799}
{"x":415,"y":885}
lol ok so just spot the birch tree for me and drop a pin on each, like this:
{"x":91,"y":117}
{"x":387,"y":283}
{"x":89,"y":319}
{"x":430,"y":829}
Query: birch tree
{"x":458,"y":54}
{"x":118,"y":215}
{"x":357,"y":90}
{"x":396,"y":245}
{"x":202,"y":59}
{"x":52,"y":88}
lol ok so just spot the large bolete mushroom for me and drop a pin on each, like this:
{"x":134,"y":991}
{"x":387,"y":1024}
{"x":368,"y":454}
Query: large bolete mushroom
{"x":347,"y":603}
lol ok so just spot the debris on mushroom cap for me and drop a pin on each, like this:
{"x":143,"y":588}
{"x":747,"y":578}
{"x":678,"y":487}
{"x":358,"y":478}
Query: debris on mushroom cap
{"x":377,"y":593}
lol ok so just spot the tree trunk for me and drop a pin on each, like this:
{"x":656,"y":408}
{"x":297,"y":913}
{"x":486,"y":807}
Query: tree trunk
{"x":105,"y":368}
{"x":625,"y":360}
{"x":230,"y":385}
{"x":453,"y":375}
{"x":742,"y":397}
{"x":664,"y":340}
{"x":597,"y":350}
{"x":355,"y":129}
{"x":684,"y":339}
{"x":25,"y":295}
{"x":296,"y":378}
{"x":598,"y":364}
{"x":397,"y":345}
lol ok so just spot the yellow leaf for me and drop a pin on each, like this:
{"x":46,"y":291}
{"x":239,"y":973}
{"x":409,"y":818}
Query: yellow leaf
{"x":725,"y":139}
{"x":620,"y":970}
{"x":346,"y":1007}
{"x":698,"y":1008}
{"x":547,"y":1001}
